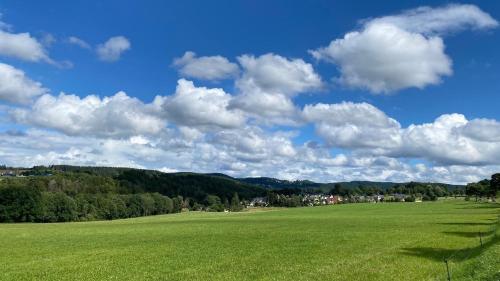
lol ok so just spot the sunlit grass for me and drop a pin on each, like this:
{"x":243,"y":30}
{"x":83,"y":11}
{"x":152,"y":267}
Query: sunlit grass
{"x":391,"y":241}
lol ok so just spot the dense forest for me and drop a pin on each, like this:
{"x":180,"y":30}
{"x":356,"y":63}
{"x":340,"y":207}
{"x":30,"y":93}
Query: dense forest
{"x":66,"y":193}
{"x":314,"y":187}
{"x":71,"y":193}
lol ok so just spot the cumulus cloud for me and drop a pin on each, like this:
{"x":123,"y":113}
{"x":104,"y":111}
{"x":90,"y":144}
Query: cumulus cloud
{"x":78,"y":42}
{"x":16,"y":87}
{"x":113,"y":48}
{"x":353,"y":125}
{"x":269,"y":82}
{"x":276,"y":74}
{"x":384,"y":58}
{"x":22,"y":46}
{"x":206,"y":68}
{"x":252,"y":144}
{"x":450,"y":140}
{"x":116,"y":116}
{"x":402,"y":51}
{"x":487,"y":130}
{"x":201,"y":107}
{"x":246,"y":151}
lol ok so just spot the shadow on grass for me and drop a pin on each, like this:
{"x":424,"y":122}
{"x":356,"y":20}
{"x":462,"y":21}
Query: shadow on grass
{"x":469,"y":234}
{"x":440,"y":254}
{"x":481,"y":206}
{"x":468,"y":223}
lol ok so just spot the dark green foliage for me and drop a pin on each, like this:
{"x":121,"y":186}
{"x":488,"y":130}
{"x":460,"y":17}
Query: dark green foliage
{"x":494,"y":185}
{"x":410,"y":198}
{"x":226,"y":204}
{"x":426,"y":191}
{"x":57,"y":207}
{"x":338,"y":190}
{"x":272,"y":183}
{"x":109,"y":207}
{"x":187,"y":185}
{"x":478,"y":189}
{"x":281,"y":200}
{"x":28,"y":204}
{"x":214,"y":204}
{"x":162,"y":204}
{"x":346,"y":188}
{"x":70,"y":193}
{"x":20,"y":204}
{"x":484,"y":188}
{"x":235,"y":203}
{"x":429,"y":197}
{"x":177,"y":203}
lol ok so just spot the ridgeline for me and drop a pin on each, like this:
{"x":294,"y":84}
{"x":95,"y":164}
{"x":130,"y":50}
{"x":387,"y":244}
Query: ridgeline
{"x":75,"y":193}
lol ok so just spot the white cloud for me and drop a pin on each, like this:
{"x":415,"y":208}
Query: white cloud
{"x":167,"y":170}
{"x":25,"y":47}
{"x":440,"y":20}
{"x":115,"y":116}
{"x":78,"y":42}
{"x":201,"y":107}
{"x":354,"y":125}
{"x":3,"y":25}
{"x":268,"y":108}
{"x":113,"y":48}
{"x":384,"y":58}
{"x":206,"y":68}
{"x":212,"y":131}
{"x":248,"y":151}
{"x":450,"y":140}
{"x":402,"y":51}
{"x":22,"y":46}
{"x":16,"y":87}
{"x":252,"y":144}
{"x":276,"y":74}
{"x":268,"y":84}
{"x":487,"y":130}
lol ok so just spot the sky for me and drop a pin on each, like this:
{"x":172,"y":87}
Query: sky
{"x":324,"y":90}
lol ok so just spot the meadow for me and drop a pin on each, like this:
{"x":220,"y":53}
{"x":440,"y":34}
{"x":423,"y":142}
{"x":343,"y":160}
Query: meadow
{"x":384,"y":241}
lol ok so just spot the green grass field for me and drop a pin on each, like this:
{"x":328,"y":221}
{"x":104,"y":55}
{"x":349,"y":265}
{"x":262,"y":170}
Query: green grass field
{"x":390,"y":241}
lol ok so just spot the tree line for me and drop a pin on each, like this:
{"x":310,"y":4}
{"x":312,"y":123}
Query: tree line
{"x":70,"y":193}
{"x":484,"y":188}
{"x":30,"y":204}
{"x":79,"y":194}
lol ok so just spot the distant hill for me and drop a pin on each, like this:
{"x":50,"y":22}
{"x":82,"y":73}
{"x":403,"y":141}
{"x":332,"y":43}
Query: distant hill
{"x":185,"y":184}
{"x":272,"y":183}
{"x":192,"y":185}
{"x":197,"y":185}
{"x":75,"y":193}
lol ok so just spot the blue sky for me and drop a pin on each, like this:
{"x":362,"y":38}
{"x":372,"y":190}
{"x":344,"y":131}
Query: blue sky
{"x":456,"y":72}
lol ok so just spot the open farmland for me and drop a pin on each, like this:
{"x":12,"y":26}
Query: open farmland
{"x":388,"y":241}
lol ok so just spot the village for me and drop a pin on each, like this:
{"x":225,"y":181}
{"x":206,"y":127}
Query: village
{"x":11,"y":172}
{"x":312,"y":200}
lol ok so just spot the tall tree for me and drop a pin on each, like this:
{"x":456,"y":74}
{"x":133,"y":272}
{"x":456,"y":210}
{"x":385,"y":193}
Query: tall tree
{"x":494,"y":185}
{"x":235,"y":203}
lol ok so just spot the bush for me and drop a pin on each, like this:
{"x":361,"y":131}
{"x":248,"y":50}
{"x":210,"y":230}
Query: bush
{"x":57,"y":207}
{"x":410,"y":198}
